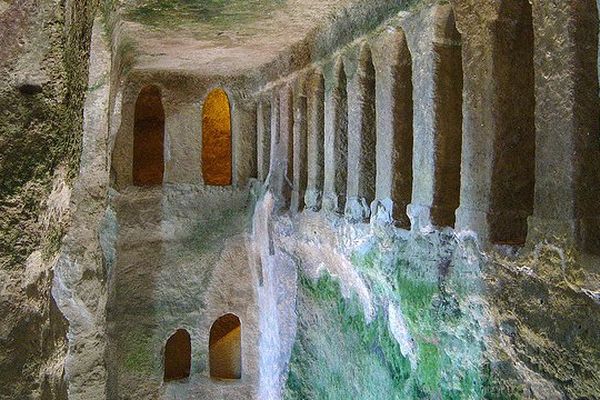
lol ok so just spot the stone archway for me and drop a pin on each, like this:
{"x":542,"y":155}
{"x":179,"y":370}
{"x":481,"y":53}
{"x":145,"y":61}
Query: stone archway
{"x":148,"y":138}
{"x":225,"y":348}
{"x":216,"y":139}
{"x":178,"y":356}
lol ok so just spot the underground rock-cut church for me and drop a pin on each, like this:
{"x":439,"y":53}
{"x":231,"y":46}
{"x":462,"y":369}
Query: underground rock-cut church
{"x":299,"y":199}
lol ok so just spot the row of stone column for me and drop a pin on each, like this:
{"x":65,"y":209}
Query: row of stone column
{"x":392,"y":126}
{"x":347,"y":137}
{"x":556,"y":145}
{"x":323,"y":126}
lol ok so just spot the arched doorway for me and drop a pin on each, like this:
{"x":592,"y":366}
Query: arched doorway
{"x":178,"y":356}
{"x":216,"y":139}
{"x":148,"y":138}
{"x":225,"y":348}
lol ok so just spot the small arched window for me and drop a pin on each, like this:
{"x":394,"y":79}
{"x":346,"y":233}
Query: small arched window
{"x":148,"y":138}
{"x":225,"y":348}
{"x":216,"y":139}
{"x":178,"y":356}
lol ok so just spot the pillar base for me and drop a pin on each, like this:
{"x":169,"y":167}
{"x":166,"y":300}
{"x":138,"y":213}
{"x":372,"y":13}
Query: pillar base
{"x":312,"y":199}
{"x":381,"y":212}
{"x":357,"y":209}
{"x":473,"y":220}
{"x":297,"y":202}
{"x":581,"y":234}
{"x":332,"y":203}
{"x":420,"y":218}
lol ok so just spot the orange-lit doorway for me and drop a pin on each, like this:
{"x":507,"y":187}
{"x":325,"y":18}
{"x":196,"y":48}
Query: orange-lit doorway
{"x":225,"y":348}
{"x":216,"y":139}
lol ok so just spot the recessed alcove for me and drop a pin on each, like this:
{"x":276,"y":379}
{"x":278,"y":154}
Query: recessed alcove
{"x":448,"y":123}
{"x":513,"y":178}
{"x":225,"y":348}
{"x":178,"y":356}
{"x":148,"y":138}
{"x":216,"y":139}
{"x":402,"y":157}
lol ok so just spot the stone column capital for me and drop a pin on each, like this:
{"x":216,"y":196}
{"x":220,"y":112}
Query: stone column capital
{"x":389,"y":52}
{"x":314,"y":81}
{"x":472,"y":15}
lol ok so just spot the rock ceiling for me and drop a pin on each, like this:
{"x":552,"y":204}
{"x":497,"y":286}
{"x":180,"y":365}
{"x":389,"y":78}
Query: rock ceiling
{"x":219,"y":36}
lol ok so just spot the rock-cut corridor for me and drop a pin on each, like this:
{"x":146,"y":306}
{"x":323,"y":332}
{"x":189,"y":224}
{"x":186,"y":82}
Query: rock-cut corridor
{"x":299,"y":199}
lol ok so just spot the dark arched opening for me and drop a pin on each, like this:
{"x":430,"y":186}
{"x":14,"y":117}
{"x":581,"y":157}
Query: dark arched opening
{"x":148,"y":138}
{"x":216,"y":139}
{"x":448,"y":143}
{"x":225,"y":348}
{"x":178,"y":356}
{"x":513,"y":178}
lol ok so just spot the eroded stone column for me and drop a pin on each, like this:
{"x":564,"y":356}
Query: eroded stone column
{"x":243,"y":130}
{"x":285,"y":145}
{"x":437,"y":96}
{"x":394,"y":104}
{"x":263,"y":137}
{"x":567,"y":138}
{"x":479,"y":125}
{"x":499,"y":132}
{"x":85,"y":246}
{"x":275,"y":134}
{"x":316,"y":141}
{"x":361,"y":138}
{"x":278,"y":161}
{"x":300,"y":147}
{"x":121,"y":167}
{"x":336,"y":138}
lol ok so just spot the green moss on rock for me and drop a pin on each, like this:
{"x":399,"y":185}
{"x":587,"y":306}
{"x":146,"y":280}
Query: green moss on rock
{"x":338,"y":354}
{"x":139,"y":353}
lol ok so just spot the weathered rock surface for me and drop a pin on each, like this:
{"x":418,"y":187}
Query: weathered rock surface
{"x":358,"y":118}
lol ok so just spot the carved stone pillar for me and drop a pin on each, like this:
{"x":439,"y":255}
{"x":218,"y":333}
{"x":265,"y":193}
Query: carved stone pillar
{"x":437,"y":96}
{"x":316,"y":140}
{"x":567,"y":195}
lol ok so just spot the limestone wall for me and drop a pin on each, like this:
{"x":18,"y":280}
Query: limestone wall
{"x":44,"y":54}
{"x":485,"y":97}
{"x":412,"y":211}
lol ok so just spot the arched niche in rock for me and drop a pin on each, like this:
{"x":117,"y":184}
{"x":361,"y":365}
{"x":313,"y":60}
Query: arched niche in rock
{"x":448,"y":121}
{"x":178,"y":356}
{"x":148,"y":138}
{"x":513,"y":174}
{"x":225,"y":348}
{"x":216,"y":139}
